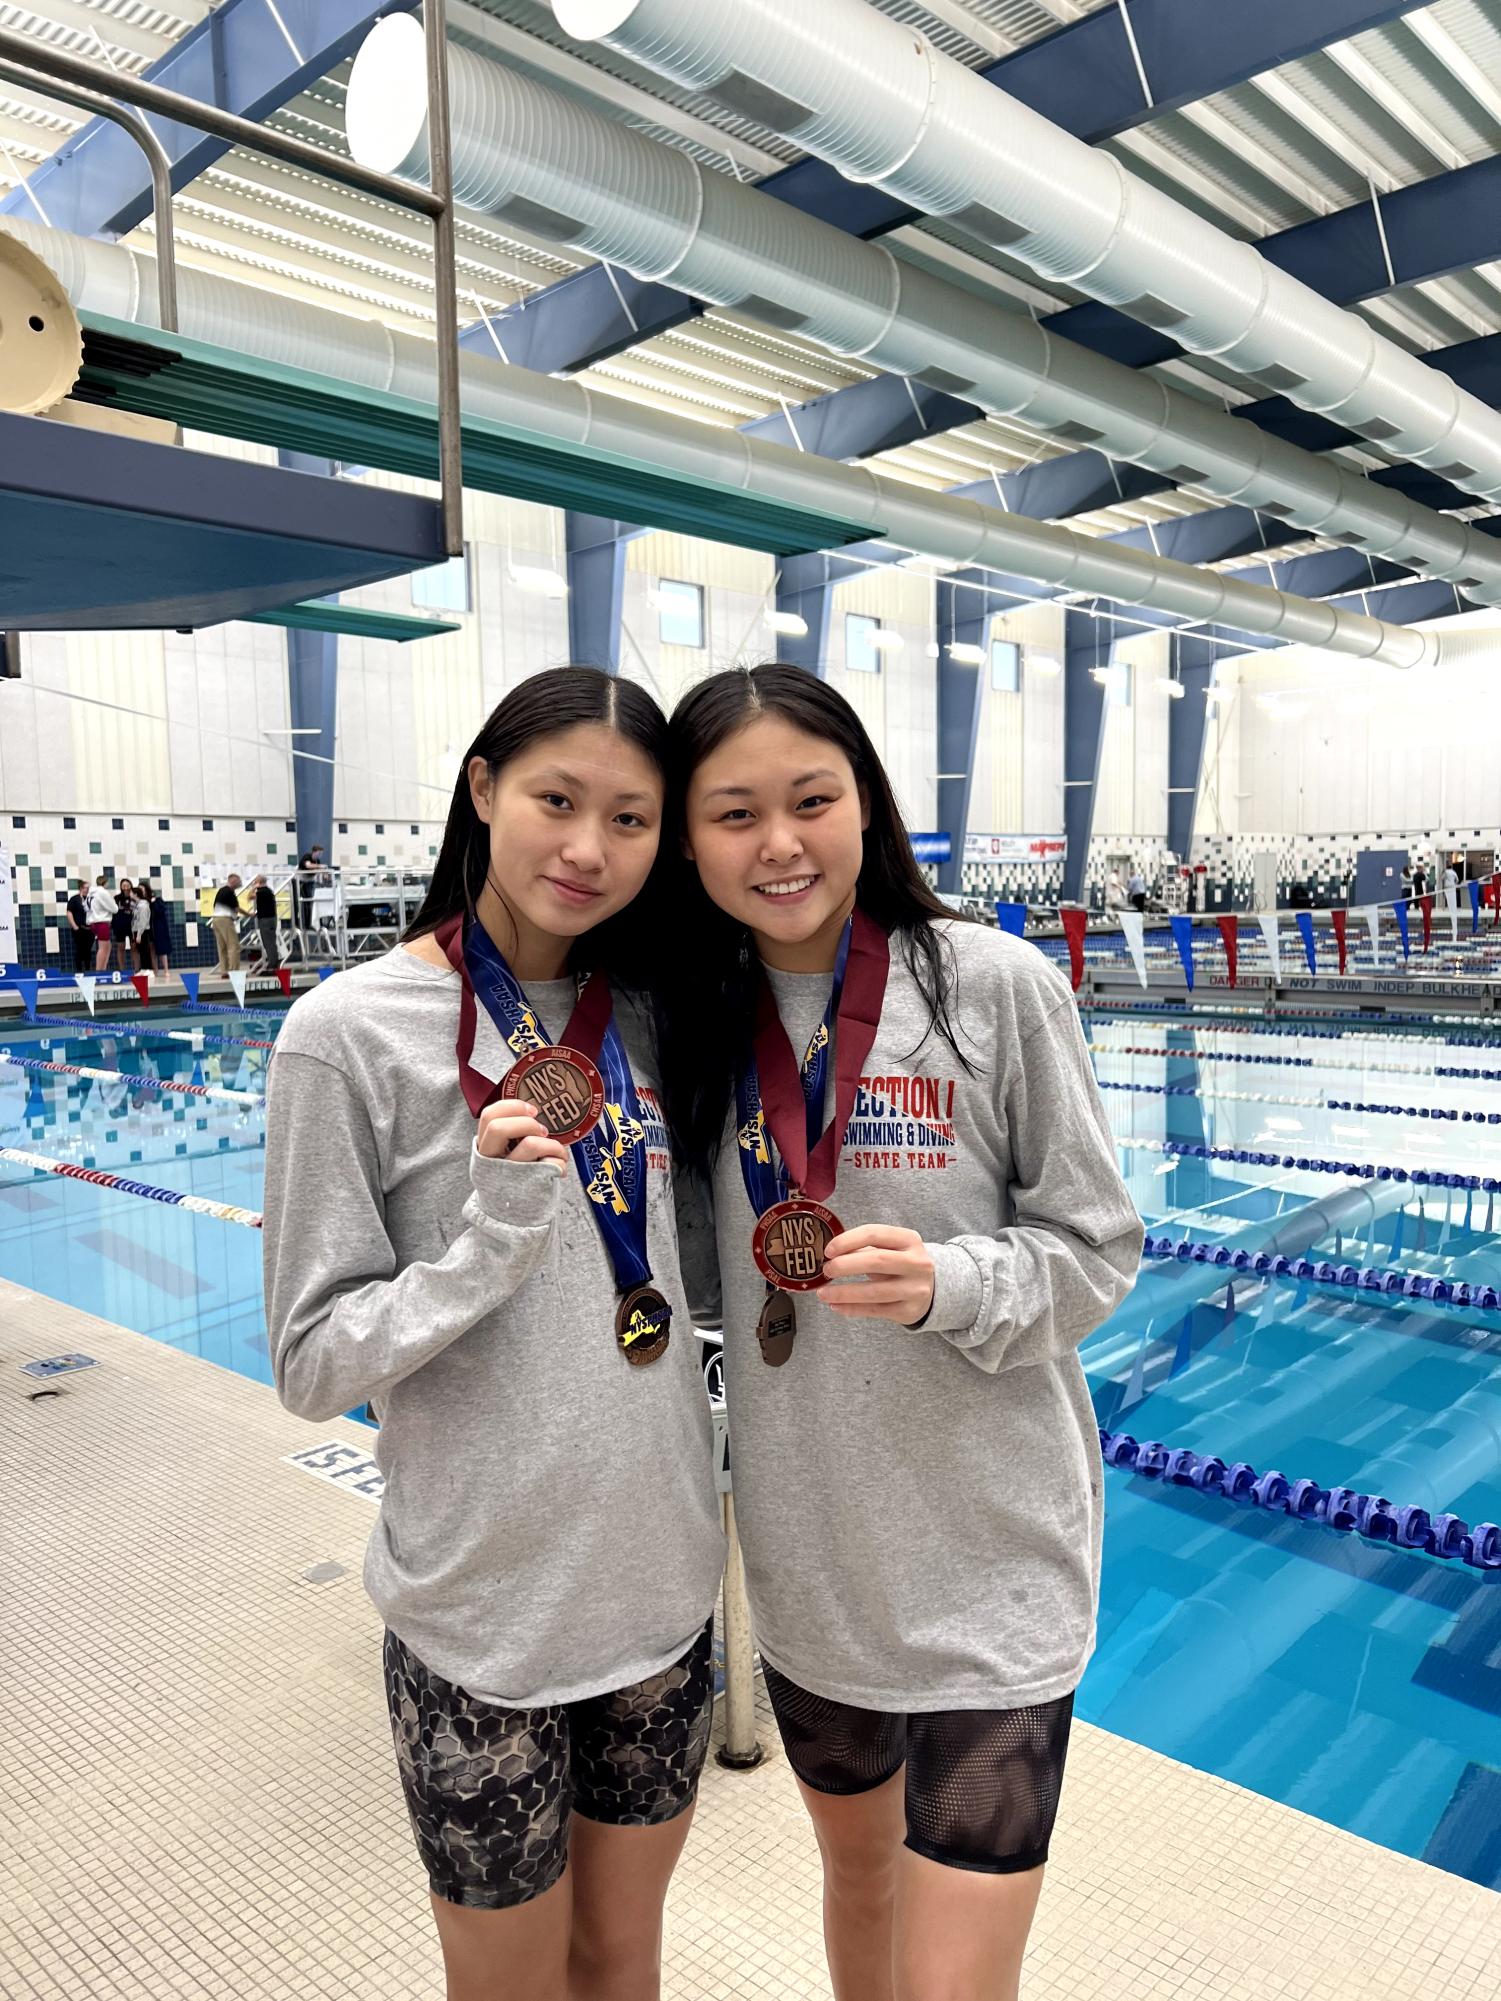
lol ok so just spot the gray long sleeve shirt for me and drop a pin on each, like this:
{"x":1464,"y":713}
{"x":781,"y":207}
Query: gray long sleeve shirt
{"x":550,"y":1528}
{"x":921,"y":1510}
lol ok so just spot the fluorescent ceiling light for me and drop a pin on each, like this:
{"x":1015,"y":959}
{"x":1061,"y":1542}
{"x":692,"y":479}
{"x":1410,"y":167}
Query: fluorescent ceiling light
{"x":1044,"y":663}
{"x":788,"y":622}
{"x":1174,"y":690}
{"x":967,"y":655}
{"x":932,"y":649}
{"x":884,"y":640}
{"x":533,"y":577}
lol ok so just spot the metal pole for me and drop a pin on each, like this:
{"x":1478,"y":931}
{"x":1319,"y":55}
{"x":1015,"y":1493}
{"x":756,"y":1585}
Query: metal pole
{"x":41,"y":59}
{"x":156,"y":159}
{"x":740,"y":1750}
{"x":440,"y":175}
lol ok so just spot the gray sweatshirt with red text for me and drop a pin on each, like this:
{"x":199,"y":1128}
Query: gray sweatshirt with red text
{"x":921,"y":1510}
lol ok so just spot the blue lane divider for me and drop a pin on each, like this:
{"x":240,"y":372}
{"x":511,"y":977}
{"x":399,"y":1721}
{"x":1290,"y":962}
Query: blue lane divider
{"x":1419,"y":1177}
{"x":1327,"y":1104}
{"x":1372,"y":1516}
{"x":64,"y":1026}
{"x":1345,"y":1277}
{"x":1186,"y":1015}
{"x":1415,"y":1111}
{"x":268,"y":1013}
{"x":1206,"y":1055}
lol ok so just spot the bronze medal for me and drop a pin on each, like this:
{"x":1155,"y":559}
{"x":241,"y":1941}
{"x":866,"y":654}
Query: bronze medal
{"x":643,"y":1325}
{"x":776,"y":1330}
{"x":564,"y":1085}
{"x":790,"y":1241}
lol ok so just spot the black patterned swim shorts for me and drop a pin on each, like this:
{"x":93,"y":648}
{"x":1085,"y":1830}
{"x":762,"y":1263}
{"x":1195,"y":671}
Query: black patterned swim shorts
{"x":491,"y":1790}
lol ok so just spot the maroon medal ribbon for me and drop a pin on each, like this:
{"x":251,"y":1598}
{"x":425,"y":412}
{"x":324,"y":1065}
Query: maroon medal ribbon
{"x":813,"y":1173}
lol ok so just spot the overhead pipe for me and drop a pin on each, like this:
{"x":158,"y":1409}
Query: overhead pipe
{"x":876,"y":100}
{"x":107,"y":278}
{"x":526,"y":153}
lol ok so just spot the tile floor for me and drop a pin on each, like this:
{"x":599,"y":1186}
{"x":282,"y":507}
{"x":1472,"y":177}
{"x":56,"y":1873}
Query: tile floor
{"x":197,"y":1795}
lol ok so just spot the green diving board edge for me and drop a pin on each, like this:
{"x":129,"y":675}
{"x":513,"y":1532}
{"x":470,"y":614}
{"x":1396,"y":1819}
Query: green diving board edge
{"x":353,"y":621}
{"x":230,"y":394}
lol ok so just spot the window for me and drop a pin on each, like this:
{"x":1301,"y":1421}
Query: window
{"x":862,"y":655}
{"x":1118,"y":687}
{"x":680,"y":612}
{"x":1005,"y":666}
{"x":445,"y":587}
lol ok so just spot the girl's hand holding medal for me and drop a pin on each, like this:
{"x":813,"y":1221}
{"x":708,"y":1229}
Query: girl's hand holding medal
{"x":510,"y":1130}
{"x":895,"y":1270}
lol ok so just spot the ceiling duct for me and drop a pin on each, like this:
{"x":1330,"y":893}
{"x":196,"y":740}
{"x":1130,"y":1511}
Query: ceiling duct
{"x":525,"y":153}
{"x":107,"y":278}
{"x":880,"y":103}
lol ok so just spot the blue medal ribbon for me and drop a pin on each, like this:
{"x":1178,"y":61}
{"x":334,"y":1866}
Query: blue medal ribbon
{"x":611,"y":1160}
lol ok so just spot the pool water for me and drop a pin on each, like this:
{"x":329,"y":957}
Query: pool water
{"x":1355,"y":1682}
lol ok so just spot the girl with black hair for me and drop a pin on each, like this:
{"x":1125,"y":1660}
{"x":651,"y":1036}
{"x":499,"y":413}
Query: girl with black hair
{"x":469,"y":1226}
{"x":918,"y":1218}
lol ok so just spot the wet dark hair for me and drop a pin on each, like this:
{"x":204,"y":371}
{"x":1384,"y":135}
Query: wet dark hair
{"x":546,"y":704}
{"x":706,"y":1011}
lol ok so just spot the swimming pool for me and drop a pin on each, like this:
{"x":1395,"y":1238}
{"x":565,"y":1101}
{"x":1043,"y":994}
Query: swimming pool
{"x":1358,"y":1683}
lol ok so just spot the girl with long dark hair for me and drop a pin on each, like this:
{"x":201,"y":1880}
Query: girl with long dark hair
{"x":918,"y":1218}
{"x":469,"y":1226}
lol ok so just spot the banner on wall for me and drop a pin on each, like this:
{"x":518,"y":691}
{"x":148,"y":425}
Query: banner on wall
{"x":931,"y":847}
{"x":8,"y":952}
{"x":1041,"y":848}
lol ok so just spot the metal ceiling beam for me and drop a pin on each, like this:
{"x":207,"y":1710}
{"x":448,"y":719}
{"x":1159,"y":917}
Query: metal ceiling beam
{"x":313,"y":705}
{"x":1087,"y":643}
{"x":1187,"y":721}
{"x":239,"y":58}
{"x":1084,"y":78}
{"x":963,"y":620}
{"x":596,"y":588}
{"x":805,"y":590}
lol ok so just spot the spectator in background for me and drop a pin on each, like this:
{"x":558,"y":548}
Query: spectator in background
{"x":1136,"y":888}
{"x":1451,"y":883}
{"x":311,"y":874}
{"x":78,"y":924}
{"x":265,"y":920}
{"x":102,"y":907}
{"x":120,"y":923}
{"x":140,"y":928}
{"x":1115,"y":891}
{"x":1406,"y":881}
{"x":227,"y":915}
{"x":161,"y":931}
{"x":1419,"y":880}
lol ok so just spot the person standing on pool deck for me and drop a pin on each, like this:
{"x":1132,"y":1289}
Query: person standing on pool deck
{"x":102,"y":908}
{"x":549,"y":1544}
{"x":161,"y":931}
{"x":122,"y":920}
{"x":266,"y":923}
{"x":228,"y":911}
{"x":918,"y":1481}
{"x":78,"y":924}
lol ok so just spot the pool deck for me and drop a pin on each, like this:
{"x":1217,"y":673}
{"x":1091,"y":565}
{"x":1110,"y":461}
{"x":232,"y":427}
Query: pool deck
{"x":199,"y":1797}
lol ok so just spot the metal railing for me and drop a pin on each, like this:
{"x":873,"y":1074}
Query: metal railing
{"x":97,"y":88}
